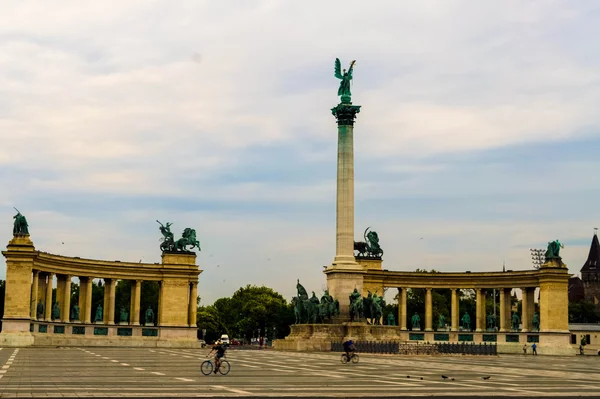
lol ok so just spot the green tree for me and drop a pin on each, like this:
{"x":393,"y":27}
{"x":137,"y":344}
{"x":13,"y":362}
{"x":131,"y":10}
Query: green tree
{"x":583,"y":312}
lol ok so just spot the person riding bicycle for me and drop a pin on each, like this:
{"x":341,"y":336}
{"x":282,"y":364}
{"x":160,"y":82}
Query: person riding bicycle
{"x":219,"y":350}
{"x":349,"y":348}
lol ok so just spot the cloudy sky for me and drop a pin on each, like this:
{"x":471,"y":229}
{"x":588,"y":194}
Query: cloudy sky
{"x":479,"y":131}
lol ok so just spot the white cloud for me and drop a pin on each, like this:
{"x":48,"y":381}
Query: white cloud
{"x":155,"y":99}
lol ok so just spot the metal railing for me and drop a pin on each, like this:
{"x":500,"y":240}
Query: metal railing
{"x":417,"y":348}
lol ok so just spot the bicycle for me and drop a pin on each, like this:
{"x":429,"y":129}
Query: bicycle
{"x":208,"y":367}
{"x":347,"y":358}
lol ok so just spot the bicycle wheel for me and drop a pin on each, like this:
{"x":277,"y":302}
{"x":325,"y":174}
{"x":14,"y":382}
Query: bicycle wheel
{"x":224,"y":367}
{"x":344,"y":358}
{"x":355,"y":358}
{"x":206,"y":367}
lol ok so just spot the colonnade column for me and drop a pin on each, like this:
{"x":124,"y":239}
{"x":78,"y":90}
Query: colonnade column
{"x":454,"y":311}
{"x":483,"y":309}
{"x":428,"y":310}
{"x":531,"y":306}
{"x":508,"y":304}
{"x":502,"y":310}
{"x":111,"y":308}
{"x":478,"y":315}
{"x":136,"y":296}
{"x":88,"y":300}
{"x":192,"y":304}
{"x":66,"y":305}
{"x":402,"y":308}
{"x":525,"y":316}
{"x":48,"y":308}
{"x":34,"y":294}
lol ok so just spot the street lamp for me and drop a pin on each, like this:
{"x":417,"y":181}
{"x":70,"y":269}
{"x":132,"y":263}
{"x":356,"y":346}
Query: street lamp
{"x":537,"y":257}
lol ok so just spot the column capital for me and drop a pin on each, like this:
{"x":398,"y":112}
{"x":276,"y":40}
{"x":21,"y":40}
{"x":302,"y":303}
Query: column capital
{"x":345,"y":113}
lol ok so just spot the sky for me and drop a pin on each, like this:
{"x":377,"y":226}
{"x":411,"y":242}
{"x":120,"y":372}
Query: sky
{"x":478,"y":136}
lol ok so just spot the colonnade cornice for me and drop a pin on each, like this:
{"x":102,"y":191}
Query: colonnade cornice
{"x":462,"y":280}
{"x":79,"y":267}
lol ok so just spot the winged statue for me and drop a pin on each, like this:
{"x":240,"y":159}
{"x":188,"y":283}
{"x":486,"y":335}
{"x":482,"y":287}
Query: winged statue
{"x":345,"y":77}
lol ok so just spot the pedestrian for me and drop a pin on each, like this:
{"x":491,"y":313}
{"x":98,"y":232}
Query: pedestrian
{"x":524,"y":349}
{"x":534,"y":348}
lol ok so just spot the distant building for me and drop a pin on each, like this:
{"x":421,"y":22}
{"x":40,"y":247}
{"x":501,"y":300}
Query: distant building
{"x":576,"y":290}
{"x":590,"y":274}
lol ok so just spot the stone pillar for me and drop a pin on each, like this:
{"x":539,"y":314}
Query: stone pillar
{"x":192,"y":304}
{"x":478,"y":311}
{"x":106,"y":302}
{"x":82,"y":297}
{"x":345,"y":114}
{"x":503,"y":300}
{"x":525,"y":308}
{"x":136,"y":296}
{"x":48,"y":307}
{"x":87,"y":308}
{"x":483,"y":309}
{"x":34,"y":294}
{"x":531,"y":306}
{"x":20,"y":255}
{"x":111,"y":306}
{"x":402,"y":308}
{"x":455,"y":309}
{"x":66,"y":305}
{"x":428,"y":310}
{"x":554,"y":300}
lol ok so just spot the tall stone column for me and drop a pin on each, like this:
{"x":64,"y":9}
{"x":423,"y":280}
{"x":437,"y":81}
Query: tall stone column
{"x":531,"y":306}
{"x":483,"y":309}
{"x":41,"y":296}
{"x":525,"y":316}
{"x":402,"y":308}
{"x":192,"y":304}
{"x":48,"y":307}
{"x":88,"y":300}
{"x":34,"y":294}
{"x":111,"y":306}
{"x":428,"y":310}
{"x":136,"y":296}
{"x":66,"y":305}
{"x":344,"y":275}
{"x":502,"y":310}
{"x":455,"y":309}
{"x":106,"y":302}
{"x":478,"y":309}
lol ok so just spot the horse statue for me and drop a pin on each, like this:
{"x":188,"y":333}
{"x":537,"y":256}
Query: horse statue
{"x":328,"y":307}
{"x":188,"y":237}
{"x":370,"y":246}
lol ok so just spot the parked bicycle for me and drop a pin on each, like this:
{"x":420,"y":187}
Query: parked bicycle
{"x":354,"y":358}
{"x":208,"y":367}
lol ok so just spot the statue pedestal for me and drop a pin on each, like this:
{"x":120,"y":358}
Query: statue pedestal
{"x":554,"y":263}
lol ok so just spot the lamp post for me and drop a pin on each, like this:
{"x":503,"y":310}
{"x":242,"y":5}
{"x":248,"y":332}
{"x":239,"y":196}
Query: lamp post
{"x":537,"y":257}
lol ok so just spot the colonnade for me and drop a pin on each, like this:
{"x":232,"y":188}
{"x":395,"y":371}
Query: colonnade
{"x":527,"y":312}
{"x":41,"y":291}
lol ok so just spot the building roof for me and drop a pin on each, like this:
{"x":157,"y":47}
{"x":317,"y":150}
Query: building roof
{"x":593,"y":261}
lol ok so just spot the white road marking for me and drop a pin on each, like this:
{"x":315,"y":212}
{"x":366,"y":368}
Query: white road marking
{"x":139,"y":368}
{"x":157,"y":373}
{"x":124,"y":364}
{"x":184,"y":379}
{"x":232,"y":390}
{"x":115,"y":361}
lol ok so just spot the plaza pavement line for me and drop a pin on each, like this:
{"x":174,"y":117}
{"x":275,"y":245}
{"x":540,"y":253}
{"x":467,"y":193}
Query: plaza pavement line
{"x":8,"y":363}
{"x":232,"y":390}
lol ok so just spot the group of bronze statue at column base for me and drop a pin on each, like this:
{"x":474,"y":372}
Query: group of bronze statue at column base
{"x":74,"y":315}
{"x":312,"y":310}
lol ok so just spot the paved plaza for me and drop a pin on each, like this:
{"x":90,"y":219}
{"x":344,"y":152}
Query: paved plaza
{"x":142,"y":372}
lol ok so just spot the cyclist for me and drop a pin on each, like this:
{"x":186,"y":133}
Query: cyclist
{"x":349,"y":348}
{"x":219,"y":350}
